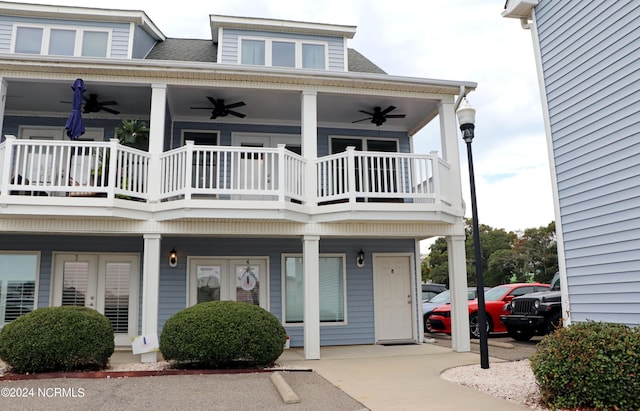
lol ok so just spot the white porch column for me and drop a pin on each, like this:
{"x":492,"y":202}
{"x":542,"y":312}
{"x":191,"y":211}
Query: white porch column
{"x":311,"y":267}
{"x":450,"y":140}
{"x":458,"y":285}
{"x":150,"y":290}
{"x":3,"y":101}
{"x":310,"y":144}
{"x":156,"y":138}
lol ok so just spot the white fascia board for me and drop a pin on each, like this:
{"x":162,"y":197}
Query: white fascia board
{"x":82,"y":14}
{"x":519,"y":9}
{"x":281,"y":26}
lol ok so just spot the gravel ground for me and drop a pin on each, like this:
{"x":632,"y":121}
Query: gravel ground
{"x":511,"y":380}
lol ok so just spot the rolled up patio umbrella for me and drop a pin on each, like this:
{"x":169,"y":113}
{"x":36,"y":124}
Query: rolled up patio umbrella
{"x":74,"y":126}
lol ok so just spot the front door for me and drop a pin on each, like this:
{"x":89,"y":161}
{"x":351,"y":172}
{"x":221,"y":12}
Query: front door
{"x":107,"y":283}
{"x":392,"y":282}
{"x":220,"y":279}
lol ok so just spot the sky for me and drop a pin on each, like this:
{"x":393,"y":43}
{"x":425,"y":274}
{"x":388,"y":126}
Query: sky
{"x":463,"y":40}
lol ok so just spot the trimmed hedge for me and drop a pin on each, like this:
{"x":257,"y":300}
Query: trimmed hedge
{"x":57,"y":339}
{"x":591,"y":364}
{"x":222,"y":334}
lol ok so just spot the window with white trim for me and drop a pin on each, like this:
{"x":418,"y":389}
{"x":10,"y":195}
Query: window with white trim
{"x":283,"y":53}
{"x":18,"y":274}
{"x":61,"y":41}
{"x":332,"y":289}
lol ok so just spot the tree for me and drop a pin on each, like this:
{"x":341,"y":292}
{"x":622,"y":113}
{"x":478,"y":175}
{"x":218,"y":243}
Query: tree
{"x":491,"y":240}
{"x":505,"y":256}
{"x":437,"y":263}
{"x":540,"y":247}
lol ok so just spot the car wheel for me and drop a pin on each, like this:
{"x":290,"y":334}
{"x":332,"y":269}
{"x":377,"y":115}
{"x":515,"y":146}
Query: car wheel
{"x":427,"y":323}
{"x":519,"y":334}
{"x":473,"y":326}
{"x":554,"y":322}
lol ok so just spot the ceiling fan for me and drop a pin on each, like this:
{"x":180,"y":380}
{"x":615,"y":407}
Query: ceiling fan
{"x":220,"y":109}
{"x":92,"y":105}
{"x":379,"y":116}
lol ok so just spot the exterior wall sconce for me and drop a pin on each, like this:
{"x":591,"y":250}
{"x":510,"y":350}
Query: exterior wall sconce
{"x":360,"y":259}
{"x":173,"y":258}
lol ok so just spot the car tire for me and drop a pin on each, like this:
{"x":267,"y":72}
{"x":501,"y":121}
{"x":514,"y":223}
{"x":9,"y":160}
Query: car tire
{"x":519,"y":334}
{"x":554,"y":322}
{"x":474,"y":330}
{"x":427,"y":328}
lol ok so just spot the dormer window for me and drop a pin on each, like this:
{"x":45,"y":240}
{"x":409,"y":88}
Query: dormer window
{"x":61,"y":41}
{"x":283,"y":53}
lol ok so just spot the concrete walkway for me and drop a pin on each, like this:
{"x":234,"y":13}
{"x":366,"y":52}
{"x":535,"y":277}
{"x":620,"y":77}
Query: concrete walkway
{"x":401,"y":377}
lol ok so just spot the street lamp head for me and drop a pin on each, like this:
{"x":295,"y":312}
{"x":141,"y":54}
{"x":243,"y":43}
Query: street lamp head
{"x":466,"y":118}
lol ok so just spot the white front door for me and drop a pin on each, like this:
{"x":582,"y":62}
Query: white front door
{"x":107,"y":283}
{"x":220,"y":279}
{"x":392,"y":283}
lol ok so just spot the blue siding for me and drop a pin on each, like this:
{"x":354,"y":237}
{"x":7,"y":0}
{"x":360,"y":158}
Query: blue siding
{"x":6,"y":30}
{"x":360,"y":321}
{"x":230,"y":46}
{"x":142,"y":43}
{"x":226,"y":130}
{"x":590,"y":57}
{"x":119,"y":41}
{"x":47,"y":245}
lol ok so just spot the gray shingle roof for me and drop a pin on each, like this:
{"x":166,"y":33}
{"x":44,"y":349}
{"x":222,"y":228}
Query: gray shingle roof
{"x":361,"y":64}
{"x":184,"y":50}
{"x":207,"y":51}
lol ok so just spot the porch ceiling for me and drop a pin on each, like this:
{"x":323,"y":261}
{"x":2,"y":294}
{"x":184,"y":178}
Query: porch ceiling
{"x":263,"y":105}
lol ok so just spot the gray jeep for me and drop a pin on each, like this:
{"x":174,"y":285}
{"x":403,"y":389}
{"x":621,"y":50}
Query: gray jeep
{"x":534,"y":314}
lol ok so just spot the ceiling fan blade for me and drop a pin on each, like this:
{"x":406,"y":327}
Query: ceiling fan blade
{"x":235,"y":113}
{"x":395,"y":116}
{"x":366,"y":112}
{"x":234,"y":105}
{"x":387,"y":110}
{"x":108,"y":103}
{"x":364,"y":119}
{"x":109,"y":110}
{"x":200,"y":108}
{"x":212,"y":100}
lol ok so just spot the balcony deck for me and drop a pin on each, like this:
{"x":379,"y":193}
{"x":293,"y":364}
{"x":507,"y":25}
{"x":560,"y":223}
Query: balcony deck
{"x":193,"y":180}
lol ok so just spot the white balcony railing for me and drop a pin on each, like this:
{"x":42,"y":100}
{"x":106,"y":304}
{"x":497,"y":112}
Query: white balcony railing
{"x":72,"y":168}
{"x":372,"y":176}
{"x":195,"y":171}
{"x":191,"y":172}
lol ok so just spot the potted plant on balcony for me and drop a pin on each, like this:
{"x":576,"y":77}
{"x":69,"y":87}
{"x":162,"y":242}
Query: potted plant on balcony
{"x":133,"y":133}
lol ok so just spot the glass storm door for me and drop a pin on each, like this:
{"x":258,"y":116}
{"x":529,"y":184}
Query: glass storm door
{"x":221,"y":279}
{"x":106,"y":283}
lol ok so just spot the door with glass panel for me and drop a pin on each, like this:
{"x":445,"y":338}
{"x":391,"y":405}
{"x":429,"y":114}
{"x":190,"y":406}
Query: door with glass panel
{"x":107,"y":283}
{"x":257,"y":171}
{"x":221,"y":279}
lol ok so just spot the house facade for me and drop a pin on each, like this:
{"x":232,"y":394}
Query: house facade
{"x":587,"y":58}
{"x":279,"y":170}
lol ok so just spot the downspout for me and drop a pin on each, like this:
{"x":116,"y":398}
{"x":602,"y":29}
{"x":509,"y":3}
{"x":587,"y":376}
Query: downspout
{"x":462,"y":94}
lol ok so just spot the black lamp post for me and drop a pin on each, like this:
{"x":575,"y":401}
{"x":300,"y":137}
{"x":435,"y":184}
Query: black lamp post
{"x":466,"y":118}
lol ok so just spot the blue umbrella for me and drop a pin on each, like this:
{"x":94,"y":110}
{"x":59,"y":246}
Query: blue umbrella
{"x":74,"y":126}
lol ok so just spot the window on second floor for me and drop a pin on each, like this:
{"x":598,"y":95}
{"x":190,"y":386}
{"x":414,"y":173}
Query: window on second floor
{"x":283,"y":53}
{"x":61,"y":41}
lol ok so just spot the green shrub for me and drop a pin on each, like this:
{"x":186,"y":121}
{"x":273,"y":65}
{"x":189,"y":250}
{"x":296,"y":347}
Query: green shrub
{"x":590,"y":364}
{"x":222,"y":334}
{"x":57,"y":339}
